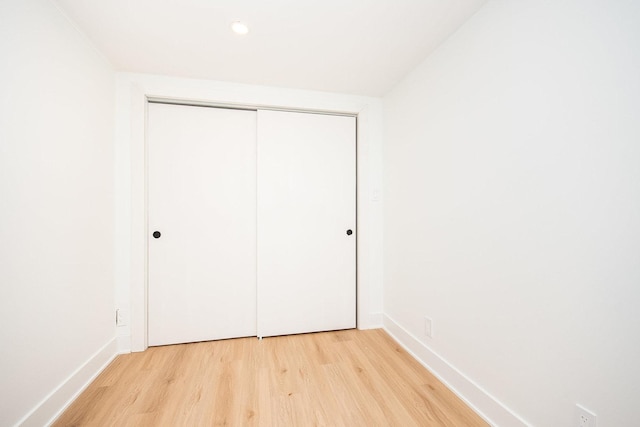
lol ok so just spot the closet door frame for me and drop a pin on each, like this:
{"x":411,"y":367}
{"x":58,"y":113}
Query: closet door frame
{"x":134,"y":98}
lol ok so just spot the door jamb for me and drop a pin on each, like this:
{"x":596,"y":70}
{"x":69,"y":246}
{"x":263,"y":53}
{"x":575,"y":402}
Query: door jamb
{"x":139,"y":244}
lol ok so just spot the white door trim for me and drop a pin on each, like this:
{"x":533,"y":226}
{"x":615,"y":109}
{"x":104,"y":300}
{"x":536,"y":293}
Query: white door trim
{"x":133,"y":93}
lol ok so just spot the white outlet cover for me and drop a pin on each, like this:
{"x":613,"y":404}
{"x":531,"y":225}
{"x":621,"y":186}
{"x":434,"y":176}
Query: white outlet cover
{"x":584,"y":417}
{"x":122,"y":317}
{"x":428,"y":331}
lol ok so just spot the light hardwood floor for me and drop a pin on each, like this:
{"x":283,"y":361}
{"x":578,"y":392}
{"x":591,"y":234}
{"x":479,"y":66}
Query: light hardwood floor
{"x":343,"y":378}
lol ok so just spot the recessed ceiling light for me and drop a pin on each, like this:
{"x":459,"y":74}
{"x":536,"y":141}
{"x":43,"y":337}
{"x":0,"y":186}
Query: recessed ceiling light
{"x":239,"y":28}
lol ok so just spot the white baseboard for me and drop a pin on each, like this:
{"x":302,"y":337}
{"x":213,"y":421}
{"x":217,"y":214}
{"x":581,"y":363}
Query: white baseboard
{"x":59,"y":399}
{"x":488,"y":407}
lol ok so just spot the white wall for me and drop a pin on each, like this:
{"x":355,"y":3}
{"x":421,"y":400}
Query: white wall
{"x":56,"y":214}
{"x":512,"y":211}
{"x":131,"y":232}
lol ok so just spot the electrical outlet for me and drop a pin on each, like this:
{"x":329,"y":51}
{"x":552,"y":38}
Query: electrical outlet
{"x":427,"y":327}
{"x":122,"y":317}
{"x":584,"y":417}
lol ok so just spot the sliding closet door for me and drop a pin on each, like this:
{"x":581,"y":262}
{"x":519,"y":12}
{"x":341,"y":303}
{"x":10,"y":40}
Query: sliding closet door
{"x":202,"y":223}
{"x":306,"y":222}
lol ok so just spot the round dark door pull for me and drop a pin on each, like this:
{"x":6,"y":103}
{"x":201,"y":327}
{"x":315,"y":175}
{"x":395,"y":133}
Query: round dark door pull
{"x":349,"y":232}
{"x":156,"y":234}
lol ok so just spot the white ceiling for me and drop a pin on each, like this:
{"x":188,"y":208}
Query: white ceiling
{"x":350,"y":46}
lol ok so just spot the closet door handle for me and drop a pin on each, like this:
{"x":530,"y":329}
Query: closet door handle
{"x":349,"y":232}
{"x":157,"y":234}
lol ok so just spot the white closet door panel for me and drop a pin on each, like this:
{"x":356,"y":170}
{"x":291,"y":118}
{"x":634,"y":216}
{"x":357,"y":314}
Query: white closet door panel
{"x":306,"y":203}
{"x":202,"y":198}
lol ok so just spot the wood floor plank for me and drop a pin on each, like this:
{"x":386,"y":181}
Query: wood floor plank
{"x":342,"y":378}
